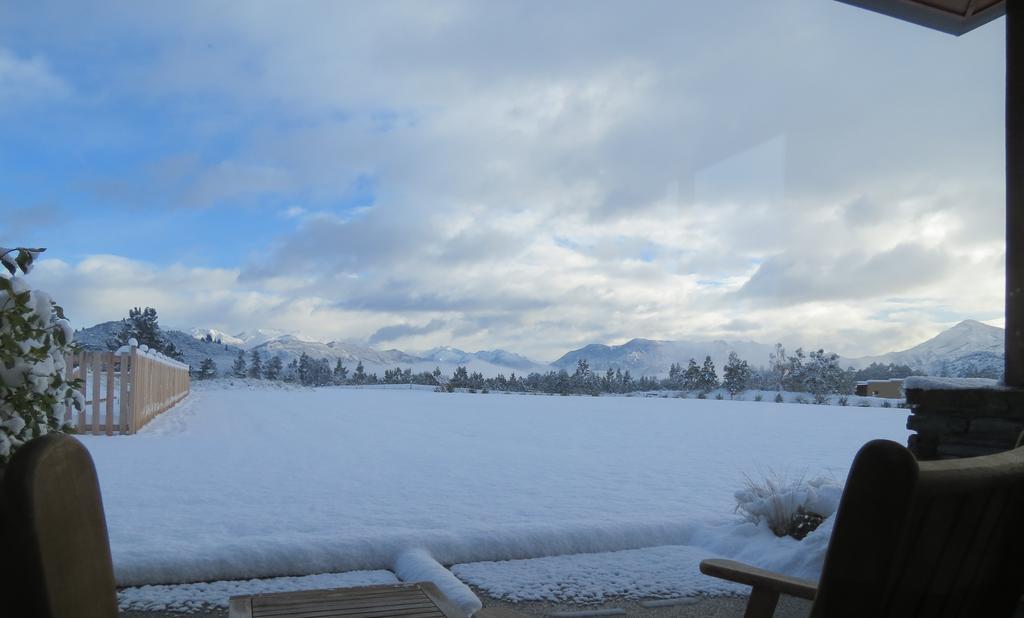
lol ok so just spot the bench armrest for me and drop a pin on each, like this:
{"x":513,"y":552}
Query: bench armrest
{"x":759,"y":578}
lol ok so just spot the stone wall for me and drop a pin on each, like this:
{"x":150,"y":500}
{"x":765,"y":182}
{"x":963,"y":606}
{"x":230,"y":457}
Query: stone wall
{"x":962,"y":418}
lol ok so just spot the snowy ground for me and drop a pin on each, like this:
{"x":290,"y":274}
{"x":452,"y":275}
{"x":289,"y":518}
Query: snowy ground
{"x":242,"y":482}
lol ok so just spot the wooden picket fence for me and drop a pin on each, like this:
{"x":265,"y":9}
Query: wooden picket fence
{"x":123,"y":391}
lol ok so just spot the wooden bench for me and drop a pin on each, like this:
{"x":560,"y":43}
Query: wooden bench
{"x":420,"y":600}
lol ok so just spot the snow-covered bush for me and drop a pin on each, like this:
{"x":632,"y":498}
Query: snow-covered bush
{"x":34,"y":337}
{"x":786,"y":505}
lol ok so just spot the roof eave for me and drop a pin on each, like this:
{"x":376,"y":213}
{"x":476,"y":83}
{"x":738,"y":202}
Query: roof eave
{"x":931,"y":17}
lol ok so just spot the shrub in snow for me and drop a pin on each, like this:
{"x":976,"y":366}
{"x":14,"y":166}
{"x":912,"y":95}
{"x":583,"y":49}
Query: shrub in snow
{"x":34,"y":338}
{"x":789,"y":507}
{"x":778,"y":398}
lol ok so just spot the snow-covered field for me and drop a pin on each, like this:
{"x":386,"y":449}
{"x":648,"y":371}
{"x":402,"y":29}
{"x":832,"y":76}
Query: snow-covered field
{"x":242,"y":482}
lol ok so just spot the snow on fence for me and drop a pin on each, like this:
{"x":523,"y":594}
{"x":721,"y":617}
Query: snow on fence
{"x":124,"y":390}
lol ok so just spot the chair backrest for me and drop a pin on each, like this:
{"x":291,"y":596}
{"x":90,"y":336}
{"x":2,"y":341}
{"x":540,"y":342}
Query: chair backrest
{"x":933,"y":538}
{"x":56,"y":547}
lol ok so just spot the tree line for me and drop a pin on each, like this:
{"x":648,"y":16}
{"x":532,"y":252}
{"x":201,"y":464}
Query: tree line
{"x":817,"y":373}
{"x":310,"y":371}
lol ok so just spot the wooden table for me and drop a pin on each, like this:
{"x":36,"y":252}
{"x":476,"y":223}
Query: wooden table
{"x":421,"y":600}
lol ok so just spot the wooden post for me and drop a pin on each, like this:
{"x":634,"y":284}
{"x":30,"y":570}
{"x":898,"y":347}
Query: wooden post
{"x":110,"y":357}
{"x":1014,"y":347}
{"x":124,"y":402}
{"x":85,"y":389}
{"x":133,"y":410}
{"x":69,"y":367}
{"x":97,"y":368}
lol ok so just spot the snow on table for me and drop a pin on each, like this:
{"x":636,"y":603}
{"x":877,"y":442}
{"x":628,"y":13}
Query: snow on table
{"x":237,"y":483}
{"x":204,"y":595}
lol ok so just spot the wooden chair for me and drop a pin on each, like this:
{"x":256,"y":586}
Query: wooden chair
{"x":56,"y":552}
{"x":931,"y":538}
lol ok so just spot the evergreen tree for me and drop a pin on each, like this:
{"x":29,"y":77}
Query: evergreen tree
{"x":692,"y":377}
{"x":172,"y":352}
{"x":207,"y":369}
{"x":141,"y":325}
{"x":321,"y":372}
{"x":737,"y":375}
{"x":675,"y":376}
{"x":238,"y":369}
{"x":291,"y":374}
{"x":340,"y":374}
{"x":794,"y":380}
{"x":822,"y":375}
{"x":359,"y":377}
{"x":460,"y":379}
{"x":608,"y":381}
{"x":255,"y":365}
{"x":708,"y":376}
{"x":878,"y":371}
{"x":583,"y":379}
{"x":305,"y":374}
{"x":274,"y":368}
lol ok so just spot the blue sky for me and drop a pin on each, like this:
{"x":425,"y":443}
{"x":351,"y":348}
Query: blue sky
{"x":524,"y":175}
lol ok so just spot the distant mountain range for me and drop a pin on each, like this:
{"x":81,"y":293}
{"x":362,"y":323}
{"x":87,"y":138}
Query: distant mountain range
{"x":223,"y":349}
{"x":968,"y":347}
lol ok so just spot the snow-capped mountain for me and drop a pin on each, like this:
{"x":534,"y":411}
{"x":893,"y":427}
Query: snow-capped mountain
{"x":216,"y":335}
{"x":248,"y":339}
{"x":258,"y":336}
{"x":290,"y":347}
{"x":445,"y":354}
{"x":193,"y":349}
{"x":969,"y":348}
{"x":497,"y":358}
{"x":653,"y":358}
{"x":950,"y":352}
{"x":504,"y":358}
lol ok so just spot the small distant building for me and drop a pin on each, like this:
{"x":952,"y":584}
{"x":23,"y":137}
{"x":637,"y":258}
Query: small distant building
{"x":889,"y":389}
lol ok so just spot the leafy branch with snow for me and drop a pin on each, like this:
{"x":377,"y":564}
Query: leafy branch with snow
{"x":35,"y":337}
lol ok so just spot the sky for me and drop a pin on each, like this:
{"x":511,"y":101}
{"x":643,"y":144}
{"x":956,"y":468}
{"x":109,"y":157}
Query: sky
{"x":532,"y":176}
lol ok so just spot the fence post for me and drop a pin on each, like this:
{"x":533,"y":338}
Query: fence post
{"x":97,"y":368}
{"x":124,"y":404}
{"x":83,"y":376}
{"x":133,"y":410}
{"x":109,"y":408}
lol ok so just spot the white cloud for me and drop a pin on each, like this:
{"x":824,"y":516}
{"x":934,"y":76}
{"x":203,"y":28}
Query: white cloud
{"x":27,"y":79}
{"x":546,"y":178}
